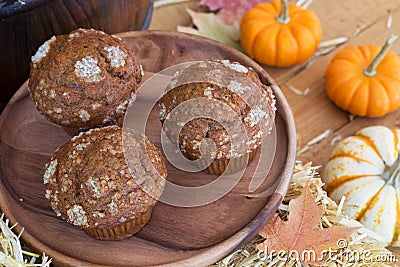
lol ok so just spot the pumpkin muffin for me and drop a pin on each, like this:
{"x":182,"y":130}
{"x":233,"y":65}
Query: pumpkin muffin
{"x":219,"y":101}
{"x":84,"y":80}
{"x":106,"y":181}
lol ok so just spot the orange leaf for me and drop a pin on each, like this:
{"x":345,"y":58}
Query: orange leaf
{"x":301,"y":235}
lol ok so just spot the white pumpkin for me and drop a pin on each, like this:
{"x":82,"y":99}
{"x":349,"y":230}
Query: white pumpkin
{"x":365,"y":168}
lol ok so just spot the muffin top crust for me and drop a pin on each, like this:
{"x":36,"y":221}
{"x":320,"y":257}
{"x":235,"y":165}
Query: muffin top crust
{"x":84,"y":79}
{"x":222,"y":101}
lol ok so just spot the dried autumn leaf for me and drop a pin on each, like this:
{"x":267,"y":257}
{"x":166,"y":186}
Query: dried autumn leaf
{"x":210,"y":26}
{"x":215,"y":5}
{"x":224,"y":25}
{"x":301,"y":233}
{"x":230,"y":11}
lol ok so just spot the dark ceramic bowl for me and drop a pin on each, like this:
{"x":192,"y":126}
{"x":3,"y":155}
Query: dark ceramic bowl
{"x":26,"y":24}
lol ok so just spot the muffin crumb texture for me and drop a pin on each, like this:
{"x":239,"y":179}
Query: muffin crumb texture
{"x":235,"y":66}
{"x":77,"y":216}
{"x":88,"y":70}
{"x":51,"y":168}
{"x":84,"y":115}
{"x":42,"y":51}
{"x":116,"y":56}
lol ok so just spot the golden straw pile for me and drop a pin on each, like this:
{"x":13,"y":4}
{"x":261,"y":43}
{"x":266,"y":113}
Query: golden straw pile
{"x":11,"y":252}
{"x":364,"y":242}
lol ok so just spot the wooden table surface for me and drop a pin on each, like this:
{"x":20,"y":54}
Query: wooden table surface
{"x":363,"y":22}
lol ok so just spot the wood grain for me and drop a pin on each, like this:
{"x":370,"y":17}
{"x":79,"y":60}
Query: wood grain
{"x":338,"y":18}
{"x":174,"y":236}
{"x":364,"y":22}
{"x":24,"y":28}
{"x":162,"y":16}
{"x":315,"y":113}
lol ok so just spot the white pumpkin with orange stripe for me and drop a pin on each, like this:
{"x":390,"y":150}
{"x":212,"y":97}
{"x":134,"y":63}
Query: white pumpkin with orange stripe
{"x":365,"y":168}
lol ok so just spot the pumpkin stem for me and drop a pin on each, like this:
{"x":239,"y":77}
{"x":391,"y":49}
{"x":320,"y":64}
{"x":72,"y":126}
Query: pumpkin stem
{"x":284,"y":14}
{"x":371,"y":70}
{"x":394,"y":173}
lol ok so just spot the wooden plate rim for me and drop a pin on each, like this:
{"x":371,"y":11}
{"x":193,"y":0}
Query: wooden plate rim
{"x":214,"y":253}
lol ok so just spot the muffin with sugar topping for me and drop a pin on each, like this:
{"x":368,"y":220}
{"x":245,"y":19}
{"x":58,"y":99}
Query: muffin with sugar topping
{"x":218,"y":113}
{"x":83,"y":80}
{"x":106,"y":181}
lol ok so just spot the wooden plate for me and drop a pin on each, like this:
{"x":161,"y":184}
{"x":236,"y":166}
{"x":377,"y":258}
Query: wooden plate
{"x":174,"y":236}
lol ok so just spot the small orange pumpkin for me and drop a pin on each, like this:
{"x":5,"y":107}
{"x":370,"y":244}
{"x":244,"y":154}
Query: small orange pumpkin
{"x":280,"y":34}
{"x":365,"y":80}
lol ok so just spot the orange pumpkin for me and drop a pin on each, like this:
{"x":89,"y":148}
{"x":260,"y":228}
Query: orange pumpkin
{"x":278,"y":34}
{"x":365,"y":80}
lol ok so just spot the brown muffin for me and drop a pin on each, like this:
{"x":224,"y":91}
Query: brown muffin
{"x":221,"y":101}
{"x":106,"y":181}
{"x":84,"y":80}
